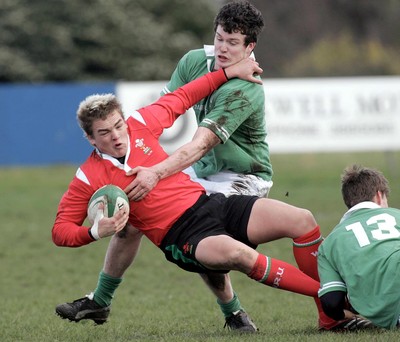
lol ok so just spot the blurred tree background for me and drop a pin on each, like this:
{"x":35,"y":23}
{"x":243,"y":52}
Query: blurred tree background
{"x":306,"y":38}
{"x":136,"y":40}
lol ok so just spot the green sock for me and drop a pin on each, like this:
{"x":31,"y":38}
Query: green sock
{"x":105,"y":289}
{"x":229,"y":308}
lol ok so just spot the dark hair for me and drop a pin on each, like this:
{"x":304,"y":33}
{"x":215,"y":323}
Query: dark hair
{"x":240,"y":16}
{"x":361,"y":184}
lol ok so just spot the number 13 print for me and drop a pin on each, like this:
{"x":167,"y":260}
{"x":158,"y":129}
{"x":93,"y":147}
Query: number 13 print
{"x":386,"y":229}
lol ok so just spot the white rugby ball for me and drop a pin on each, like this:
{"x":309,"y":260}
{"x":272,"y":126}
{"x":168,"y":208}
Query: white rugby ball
{"x":113,"y":198}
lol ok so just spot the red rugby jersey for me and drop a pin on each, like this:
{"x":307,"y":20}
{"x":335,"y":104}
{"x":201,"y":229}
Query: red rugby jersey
{"x":169,"y":199}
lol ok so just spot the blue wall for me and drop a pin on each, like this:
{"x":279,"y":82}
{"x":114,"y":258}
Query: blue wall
{"x":38,"y":123}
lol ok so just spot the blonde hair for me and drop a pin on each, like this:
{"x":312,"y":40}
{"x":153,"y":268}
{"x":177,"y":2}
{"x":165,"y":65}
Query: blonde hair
{"x":94,"y":107}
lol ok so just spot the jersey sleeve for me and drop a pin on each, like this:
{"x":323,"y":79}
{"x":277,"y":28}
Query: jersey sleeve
{"x":232,"y":105}
{"x":163,"y":113}
{"x":72,"y":210}
{"x":330,"y":279}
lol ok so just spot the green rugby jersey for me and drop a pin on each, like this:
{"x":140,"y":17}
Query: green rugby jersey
{"x":235,"y":113}
{"x":361,"y":256}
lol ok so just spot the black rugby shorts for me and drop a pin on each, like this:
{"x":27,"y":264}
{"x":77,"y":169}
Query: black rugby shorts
{"x":209,"y":216}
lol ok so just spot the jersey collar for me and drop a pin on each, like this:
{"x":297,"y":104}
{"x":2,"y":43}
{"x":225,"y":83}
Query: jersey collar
{"x":115,"y":161}
{"x":362,"y":205}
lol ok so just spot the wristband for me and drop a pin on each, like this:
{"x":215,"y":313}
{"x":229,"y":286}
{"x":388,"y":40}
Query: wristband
{"x":94,"y":231}
{"x":90,"y":234}
{"x":225,"y":74}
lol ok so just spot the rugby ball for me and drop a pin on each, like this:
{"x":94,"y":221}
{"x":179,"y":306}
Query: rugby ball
{"x":113,"y":198}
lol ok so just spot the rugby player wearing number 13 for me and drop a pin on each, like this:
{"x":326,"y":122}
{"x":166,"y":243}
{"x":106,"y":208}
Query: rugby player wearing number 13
{"x":359,"y":261}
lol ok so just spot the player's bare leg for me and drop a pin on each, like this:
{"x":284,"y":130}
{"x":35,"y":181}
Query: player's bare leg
{"x":121,"y":251}
{"x":235,"y":316}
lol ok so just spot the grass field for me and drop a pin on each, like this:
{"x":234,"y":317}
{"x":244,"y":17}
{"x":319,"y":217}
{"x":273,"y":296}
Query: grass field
{"x":157,"y":301}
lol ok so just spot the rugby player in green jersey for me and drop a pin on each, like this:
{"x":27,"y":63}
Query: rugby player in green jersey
{"x":359,"y":261}
{"x":231,"y":136}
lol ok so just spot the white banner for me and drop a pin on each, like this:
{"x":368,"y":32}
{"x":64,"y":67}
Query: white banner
{"x":306,"y":115}
{"x":333,"y":114}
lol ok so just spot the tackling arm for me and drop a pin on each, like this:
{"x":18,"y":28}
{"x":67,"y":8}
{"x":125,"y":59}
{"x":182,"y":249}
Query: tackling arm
{"x":203,"y":141}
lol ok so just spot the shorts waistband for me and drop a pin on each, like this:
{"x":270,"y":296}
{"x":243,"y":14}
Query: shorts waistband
{"x":202,"y":199}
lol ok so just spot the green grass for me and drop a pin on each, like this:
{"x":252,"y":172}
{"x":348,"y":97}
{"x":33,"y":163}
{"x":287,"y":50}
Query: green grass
{"x":157,"y":301}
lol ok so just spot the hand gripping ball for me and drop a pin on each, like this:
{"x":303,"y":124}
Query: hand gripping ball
{"x":113,"y":198}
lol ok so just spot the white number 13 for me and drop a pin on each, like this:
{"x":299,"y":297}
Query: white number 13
{"x":386,"y":229}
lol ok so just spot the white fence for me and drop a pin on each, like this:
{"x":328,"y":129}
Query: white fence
{"x":306,"y":115}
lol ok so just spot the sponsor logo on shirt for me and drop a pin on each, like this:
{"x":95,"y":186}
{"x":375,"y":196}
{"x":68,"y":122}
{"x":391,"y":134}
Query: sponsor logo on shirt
{"x":142,"y":146}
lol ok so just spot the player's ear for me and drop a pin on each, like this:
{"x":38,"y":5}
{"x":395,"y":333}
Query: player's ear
{"x":250,"y":48}
{"x":378,"y":197}
{"x":91,"y":140}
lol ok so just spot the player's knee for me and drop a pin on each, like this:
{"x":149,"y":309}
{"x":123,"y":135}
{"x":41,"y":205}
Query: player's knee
{"x":237,"y":258}
{"x":307,"y":222}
